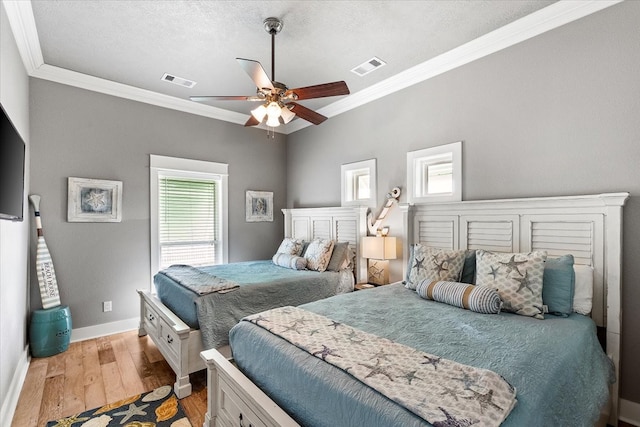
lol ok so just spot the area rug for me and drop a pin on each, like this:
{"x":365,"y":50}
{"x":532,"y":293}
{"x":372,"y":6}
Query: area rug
{"x":157,"y":408}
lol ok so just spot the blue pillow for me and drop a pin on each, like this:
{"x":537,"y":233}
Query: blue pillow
{"x":558,"y":285}
{"x":469,"y":268}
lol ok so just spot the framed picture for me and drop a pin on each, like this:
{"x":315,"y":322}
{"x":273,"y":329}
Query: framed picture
{"x":259,"y":206}
{"x":94,"y":200}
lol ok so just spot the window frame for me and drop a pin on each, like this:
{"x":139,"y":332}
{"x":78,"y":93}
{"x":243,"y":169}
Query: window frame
{"x":186,"y":168}
{"x":418,"y":163}
{"x":350,"y":173}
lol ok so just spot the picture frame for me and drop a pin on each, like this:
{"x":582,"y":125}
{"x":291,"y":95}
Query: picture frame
{"x":259,"y":206}
{"x":94,"y":200}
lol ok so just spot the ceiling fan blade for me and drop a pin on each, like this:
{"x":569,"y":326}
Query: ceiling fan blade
{"x":252,"y":121}
{"x":306,"y":113}
{"x":225,"y":98}
{"x":256,"y":72}
{"x":320,"y":91}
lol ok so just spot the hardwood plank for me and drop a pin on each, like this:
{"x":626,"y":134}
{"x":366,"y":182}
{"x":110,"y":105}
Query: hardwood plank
{"x":55,"y":365}
{"x":135,"y":344}
{"x":152,"y":352}
{"x":92,"y":375}
{"x":130,"y":378}
{"x":105,"y":352}
{"x":142,"y":364}
{"x":73,"y":402}
{"x":51,"y":408}
{"x":31,"y":394}
{"x":113,"y":388}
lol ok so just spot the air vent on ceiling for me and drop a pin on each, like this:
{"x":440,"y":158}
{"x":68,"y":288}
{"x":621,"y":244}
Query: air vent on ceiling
{"x":367,"y":67}
{"x":178,"y":80}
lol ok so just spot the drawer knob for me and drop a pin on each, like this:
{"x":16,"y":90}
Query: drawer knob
{"x":169,"y":339}
{"x":241,"y":423}
{"x":151,"y":317}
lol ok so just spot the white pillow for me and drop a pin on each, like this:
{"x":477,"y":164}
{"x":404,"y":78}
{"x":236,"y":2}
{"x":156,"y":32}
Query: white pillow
{"x":583,"y":296}
{"x":318,"y":254}
{"x":290,"y":246}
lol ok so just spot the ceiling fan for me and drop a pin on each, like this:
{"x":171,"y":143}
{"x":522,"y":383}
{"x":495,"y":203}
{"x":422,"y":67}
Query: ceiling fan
{"x":278,"y":101}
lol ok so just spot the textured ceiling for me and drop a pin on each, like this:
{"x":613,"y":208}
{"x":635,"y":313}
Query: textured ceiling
{"x":136,"y":42}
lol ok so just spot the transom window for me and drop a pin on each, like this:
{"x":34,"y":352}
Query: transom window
{"x":435,"y":174}
{"x":359,"y":183}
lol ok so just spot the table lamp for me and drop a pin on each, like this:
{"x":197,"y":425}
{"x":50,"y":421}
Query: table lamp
{"x":378,"y":249}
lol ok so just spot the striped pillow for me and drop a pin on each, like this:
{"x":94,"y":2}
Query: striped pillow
{"x":293,"y":262}
{"x":480,"y":299}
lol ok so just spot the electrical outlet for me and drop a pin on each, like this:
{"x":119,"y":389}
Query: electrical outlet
{"x":106,"y":306}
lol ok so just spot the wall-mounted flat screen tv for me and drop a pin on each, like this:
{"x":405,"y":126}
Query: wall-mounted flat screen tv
{"x":11,"y":170}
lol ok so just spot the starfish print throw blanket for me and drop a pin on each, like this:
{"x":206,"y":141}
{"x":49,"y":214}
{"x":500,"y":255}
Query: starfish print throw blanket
{"x":442,"y":392}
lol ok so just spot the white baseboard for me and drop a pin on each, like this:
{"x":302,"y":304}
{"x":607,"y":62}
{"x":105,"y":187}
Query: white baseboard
{"x":629,"y":412}
{"x":81,"y":334}
{"x":11,"y":402}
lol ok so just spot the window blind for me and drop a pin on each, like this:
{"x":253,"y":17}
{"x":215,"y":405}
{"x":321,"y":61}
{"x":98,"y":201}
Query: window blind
{"x":188,"y":221}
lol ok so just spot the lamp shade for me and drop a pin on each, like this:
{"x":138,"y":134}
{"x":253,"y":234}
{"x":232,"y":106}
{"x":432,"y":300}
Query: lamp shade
{"x":375,"y":247}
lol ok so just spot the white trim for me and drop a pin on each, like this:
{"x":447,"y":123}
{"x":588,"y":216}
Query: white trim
{"x":630,"y":412}
{"x":9,"y":405}
{"x":180,"y":164}
{"x":104,"y":329}
{"x":22,"y":22}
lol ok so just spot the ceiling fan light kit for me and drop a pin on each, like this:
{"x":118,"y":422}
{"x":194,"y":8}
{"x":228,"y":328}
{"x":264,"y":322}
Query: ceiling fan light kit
{"x":278,"y":105}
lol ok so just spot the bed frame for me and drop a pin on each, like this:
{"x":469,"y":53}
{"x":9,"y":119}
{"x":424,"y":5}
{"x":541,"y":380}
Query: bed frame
{"x":589,"y":227}
{"x":181,"y":346}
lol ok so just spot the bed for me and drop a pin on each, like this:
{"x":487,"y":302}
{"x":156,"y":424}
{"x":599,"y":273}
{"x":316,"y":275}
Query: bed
{"x":276,"y":387}
{"x":182,"y":323}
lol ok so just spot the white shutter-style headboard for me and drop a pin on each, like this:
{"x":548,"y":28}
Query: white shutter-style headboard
{"x":344,"y":224}
{"x":588,"y":227}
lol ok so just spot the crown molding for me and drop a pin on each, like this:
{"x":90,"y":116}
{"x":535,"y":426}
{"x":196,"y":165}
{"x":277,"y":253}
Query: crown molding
{"x":22,"y":22}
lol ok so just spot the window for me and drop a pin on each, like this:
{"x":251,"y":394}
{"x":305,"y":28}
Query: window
{"x":435,"y":174}
{"x":188,"y":212}
{"x":359,"y":183}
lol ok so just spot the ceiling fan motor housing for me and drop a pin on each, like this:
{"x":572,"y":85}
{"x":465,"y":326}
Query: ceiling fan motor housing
{"x":273,"y":25}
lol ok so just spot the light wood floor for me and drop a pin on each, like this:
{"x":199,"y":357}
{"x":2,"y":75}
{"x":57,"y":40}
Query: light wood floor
{"x":95,"y":372}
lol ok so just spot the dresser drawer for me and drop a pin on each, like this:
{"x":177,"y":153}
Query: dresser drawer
{"x":151,"y":319}
{"x":169,"y":340}
{"x":234,"y":410}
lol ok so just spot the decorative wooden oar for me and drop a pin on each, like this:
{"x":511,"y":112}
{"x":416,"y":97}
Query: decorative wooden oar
{"x":374,"y":227}
{"x":44,"y":265}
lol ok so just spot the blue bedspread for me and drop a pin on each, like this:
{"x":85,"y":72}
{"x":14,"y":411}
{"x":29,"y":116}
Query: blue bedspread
{"x":263,"y":286}
{"x":556,"y":364}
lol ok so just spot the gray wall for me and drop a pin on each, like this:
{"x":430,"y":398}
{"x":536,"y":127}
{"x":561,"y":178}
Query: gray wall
{"x":90,"y":135}
{"x":555,"y":115}
{"x":14,"y":97}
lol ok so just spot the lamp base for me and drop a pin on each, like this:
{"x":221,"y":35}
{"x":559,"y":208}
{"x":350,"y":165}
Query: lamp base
{"x":378,"y":272}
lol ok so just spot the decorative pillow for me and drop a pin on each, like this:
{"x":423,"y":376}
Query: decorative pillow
{"x":434,"y":264}
{"x":480,"y":299}
{"x":293,"y":262}
{"x":517,"y":277}
{"x":290,"y":246}
{"x":583,"y":297}
{"x":409,"y":264}
{"x":558,"y":285}
{"x":338,"y":256}
{"x":318,"y":254}
{"x":469,"y":268}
